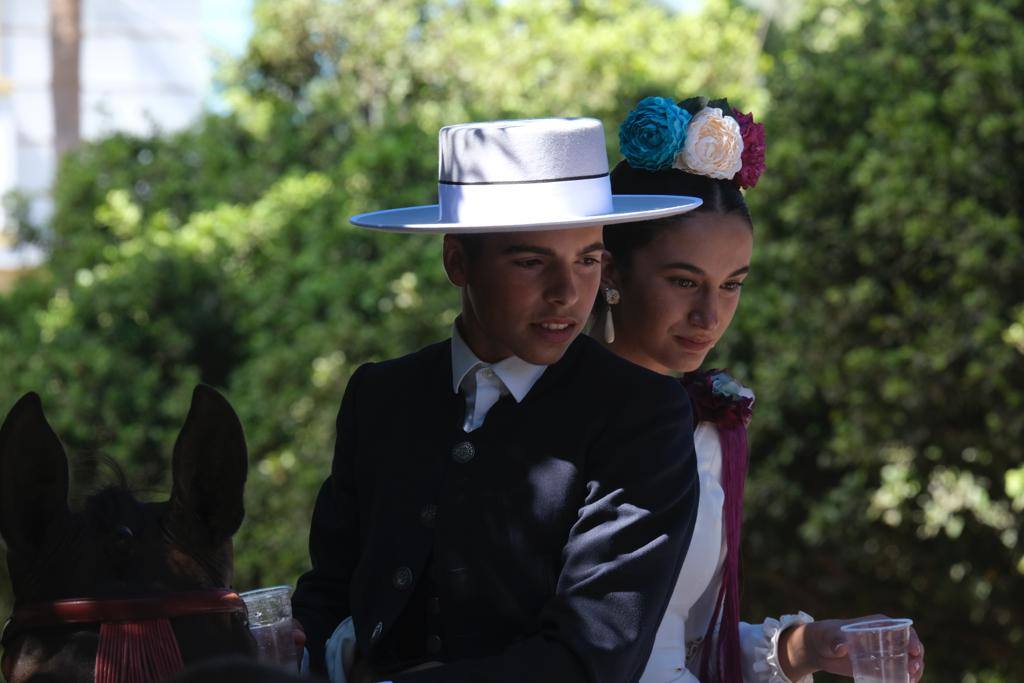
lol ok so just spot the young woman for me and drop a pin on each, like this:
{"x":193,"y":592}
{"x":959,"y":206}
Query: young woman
{"x":671,"y":288}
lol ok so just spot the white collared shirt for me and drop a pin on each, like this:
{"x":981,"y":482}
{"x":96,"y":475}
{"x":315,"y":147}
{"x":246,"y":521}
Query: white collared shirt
{"x":484,"y":383}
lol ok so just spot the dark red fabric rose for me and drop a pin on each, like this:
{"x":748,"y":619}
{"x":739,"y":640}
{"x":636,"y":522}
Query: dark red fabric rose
{"x":753,"y":149}
{"x":715,"y":398}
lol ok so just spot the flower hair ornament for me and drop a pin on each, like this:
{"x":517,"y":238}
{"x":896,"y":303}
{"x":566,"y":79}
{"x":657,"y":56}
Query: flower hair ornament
{"x":698,"y":136}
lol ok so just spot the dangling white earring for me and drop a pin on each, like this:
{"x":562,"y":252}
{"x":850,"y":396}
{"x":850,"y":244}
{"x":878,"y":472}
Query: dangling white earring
{"x":609,"y":327}
{"x":611,"y":297}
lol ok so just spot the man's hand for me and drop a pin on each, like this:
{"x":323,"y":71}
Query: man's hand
{"x":299,"y":638}
{"x":821,"y":646}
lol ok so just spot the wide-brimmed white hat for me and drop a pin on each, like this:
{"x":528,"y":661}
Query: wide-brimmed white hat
{"x":532,"y":174}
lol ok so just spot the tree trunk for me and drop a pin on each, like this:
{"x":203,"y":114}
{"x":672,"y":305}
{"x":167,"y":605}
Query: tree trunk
{"x":65,"y":37}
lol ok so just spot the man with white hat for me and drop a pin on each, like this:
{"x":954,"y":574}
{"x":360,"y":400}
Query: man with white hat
{"x":512,"y":504}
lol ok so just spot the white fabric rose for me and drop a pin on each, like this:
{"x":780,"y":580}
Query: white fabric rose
{"x":713,"y":146}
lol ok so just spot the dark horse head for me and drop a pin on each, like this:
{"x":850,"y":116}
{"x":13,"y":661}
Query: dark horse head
{"x":117,"y":558}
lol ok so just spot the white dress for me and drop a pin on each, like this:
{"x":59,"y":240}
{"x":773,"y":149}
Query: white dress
{"x":677,"y":646}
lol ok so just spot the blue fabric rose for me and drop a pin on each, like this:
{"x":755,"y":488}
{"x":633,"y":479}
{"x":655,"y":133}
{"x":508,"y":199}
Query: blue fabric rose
{"x":724,"y":385}
{"x":653,"y":133}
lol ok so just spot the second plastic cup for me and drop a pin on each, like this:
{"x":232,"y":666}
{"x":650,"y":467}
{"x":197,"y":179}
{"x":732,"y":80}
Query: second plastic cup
{"x":878,"y":650}
{"x":270,"y":622}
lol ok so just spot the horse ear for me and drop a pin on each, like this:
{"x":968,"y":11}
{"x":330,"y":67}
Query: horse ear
{"x":33,"y":477}
{"x":209,"y":469}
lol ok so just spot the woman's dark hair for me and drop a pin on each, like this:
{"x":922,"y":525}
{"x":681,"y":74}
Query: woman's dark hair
{"x":719,"y":196}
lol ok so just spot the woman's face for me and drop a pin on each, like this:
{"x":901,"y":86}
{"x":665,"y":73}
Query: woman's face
{"x":680,"y":291}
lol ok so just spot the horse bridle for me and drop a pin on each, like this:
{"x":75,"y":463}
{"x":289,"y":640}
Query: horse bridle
{"x":109,"y":610}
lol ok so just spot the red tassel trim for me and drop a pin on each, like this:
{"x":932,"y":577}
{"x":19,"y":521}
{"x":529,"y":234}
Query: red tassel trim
{"x":137,"y":652}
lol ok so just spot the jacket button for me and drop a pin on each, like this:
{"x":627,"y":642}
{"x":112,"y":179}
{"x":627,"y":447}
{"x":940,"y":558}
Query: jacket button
{"x":377,"y":630}
{"x":434,"y":605}
{"x":463,"y":452}
{"x":428,"y":515}
{"x":402,"y":578}
{"x":433,"y":644}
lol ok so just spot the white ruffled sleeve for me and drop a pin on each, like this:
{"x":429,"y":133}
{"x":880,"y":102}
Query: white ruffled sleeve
{"x":760,"y":646}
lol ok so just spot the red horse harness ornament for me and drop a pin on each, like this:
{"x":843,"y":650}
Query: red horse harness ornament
{"x":136,"y":642}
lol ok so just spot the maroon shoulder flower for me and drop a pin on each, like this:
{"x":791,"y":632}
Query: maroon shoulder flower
{"x":719,"y":398}
{"x":753,"y":149}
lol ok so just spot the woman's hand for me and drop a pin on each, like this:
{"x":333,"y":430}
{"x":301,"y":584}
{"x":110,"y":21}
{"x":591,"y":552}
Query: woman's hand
{"x":821,"y":646}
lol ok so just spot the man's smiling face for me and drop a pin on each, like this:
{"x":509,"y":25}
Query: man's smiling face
{"x":526,"y":294}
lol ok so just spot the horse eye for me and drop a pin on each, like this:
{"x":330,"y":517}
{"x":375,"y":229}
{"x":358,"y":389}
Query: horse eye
{"x":123,"y":534}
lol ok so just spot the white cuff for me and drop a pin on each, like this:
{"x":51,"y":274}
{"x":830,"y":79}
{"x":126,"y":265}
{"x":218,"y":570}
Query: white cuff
{"x":766,"y":656}
{"x":340,"y":652}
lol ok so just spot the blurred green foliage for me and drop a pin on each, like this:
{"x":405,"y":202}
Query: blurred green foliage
{"x":883,"y":327}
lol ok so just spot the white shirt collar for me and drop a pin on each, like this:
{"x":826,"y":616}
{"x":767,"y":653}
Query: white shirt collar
{"x":516,"y":374}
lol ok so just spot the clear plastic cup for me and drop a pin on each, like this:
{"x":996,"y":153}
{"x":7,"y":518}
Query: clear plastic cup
{"x":878,"y":650}
{"x":270,"y":622}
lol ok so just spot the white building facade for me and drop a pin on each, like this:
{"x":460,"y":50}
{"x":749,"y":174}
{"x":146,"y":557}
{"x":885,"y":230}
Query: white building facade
{"x":143,"y":66}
